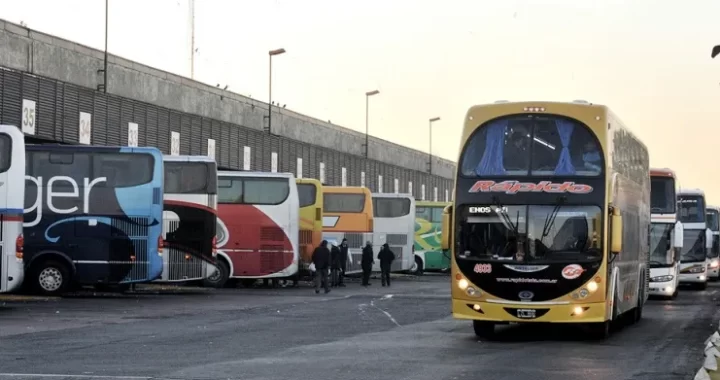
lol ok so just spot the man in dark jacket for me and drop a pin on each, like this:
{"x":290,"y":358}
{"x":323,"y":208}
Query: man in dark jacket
{"x":367,"y":263}
{"x":321,"y":259}
{"x":343,"y":261}
{"x":386,"y":257}
{"x":334,"y":265}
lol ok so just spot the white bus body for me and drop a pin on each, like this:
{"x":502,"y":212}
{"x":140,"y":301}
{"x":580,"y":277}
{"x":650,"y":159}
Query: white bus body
{"x":697,"y":237}
{"x":394,"y":224}
{"x":713,"y":218}
{"x":12,"y":198}
{"x":666,"y":235}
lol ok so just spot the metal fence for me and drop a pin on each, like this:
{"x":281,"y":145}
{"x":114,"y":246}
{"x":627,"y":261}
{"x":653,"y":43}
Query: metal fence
{"x":53,"y":108}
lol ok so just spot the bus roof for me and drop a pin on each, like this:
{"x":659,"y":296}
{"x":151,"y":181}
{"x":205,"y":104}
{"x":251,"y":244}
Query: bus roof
{"x":231,"y":173}
{"x":346,"y":189}
{"x":690,"y":191}
{"x":12,"y":130}
{"x":91,"y":148}
{"x":187,"y":158}
{"x":432,"y":204}
{"x":391,"y":195}
{"x":311,"y":181}
{"x":714,"y":208}
{"x":662,"y":172}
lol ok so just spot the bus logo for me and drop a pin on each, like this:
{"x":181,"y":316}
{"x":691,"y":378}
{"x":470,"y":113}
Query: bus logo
{"x":572,"y":271}
{"x":514,"y":187}
{"x":526,"y":295}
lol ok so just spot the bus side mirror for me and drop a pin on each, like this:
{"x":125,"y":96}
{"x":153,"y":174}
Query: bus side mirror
{"x":678,"y":235}
{"x":708,"y":239}
{"x":446,"y":231}
{"x":616,"y":232}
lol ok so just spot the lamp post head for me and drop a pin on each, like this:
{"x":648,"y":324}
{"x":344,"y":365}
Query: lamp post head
{"x":434,"y":119}
{"x":276,"y":51}
{"x":371,"y":93}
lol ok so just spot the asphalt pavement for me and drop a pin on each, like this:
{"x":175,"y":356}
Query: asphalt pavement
{"x":401,"y":332}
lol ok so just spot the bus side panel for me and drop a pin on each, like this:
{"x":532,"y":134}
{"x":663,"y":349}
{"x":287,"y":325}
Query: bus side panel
{"x":12,"y":195}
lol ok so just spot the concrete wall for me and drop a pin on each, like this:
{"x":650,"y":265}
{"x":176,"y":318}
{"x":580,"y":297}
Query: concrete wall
{"x":45,"y":55}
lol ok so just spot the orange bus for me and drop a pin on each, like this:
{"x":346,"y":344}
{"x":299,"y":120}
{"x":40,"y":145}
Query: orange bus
{"x":348,"y":214}
{"x":311,"y":225}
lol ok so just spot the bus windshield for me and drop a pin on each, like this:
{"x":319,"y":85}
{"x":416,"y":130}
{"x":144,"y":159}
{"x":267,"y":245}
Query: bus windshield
{"x":539,"y":145}
{"x":712,"y":220}
{"x":307,"y":192}
{"x":531,"y":233}
{"x":693,"y":249}
{"x":662,"y":195}
{"x":661,"y":253}
{"x":692,"y":208}
{"x":343,"y":203}
{"x":190,"y":177}
{"x":391,"y":207}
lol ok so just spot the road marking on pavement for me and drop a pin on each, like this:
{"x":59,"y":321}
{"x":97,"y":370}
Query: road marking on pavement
{"x":372,"y":303}
{"x":69,"y":376}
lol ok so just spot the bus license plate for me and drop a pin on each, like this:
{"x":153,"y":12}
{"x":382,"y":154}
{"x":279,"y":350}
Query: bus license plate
{"x":525,"y":313}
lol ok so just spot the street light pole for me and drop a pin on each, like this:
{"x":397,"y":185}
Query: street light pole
{"x":430,"y":143}
{"x":271,"y":53}
{"x":192,"y":39}
{"x":105,"y":60}
{"x":367,"y":124}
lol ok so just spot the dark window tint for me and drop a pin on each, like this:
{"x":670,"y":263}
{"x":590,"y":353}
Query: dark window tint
{"x":337,"y":202}
{"x":123,"y":169}
{"x":47,"y":165}
{"x":5,"y":152}
{"x":692,"y":209}
{"x":437,"y":213}
{"x":715,"y":251}
{"x":307,"y":192}
{"x":712,"y":220}
{"x":390,"y":207}
{"x":190,"y":178}
{"x":230,"y":190}
{"x":256,"y":191}
{"x":662,"y":195}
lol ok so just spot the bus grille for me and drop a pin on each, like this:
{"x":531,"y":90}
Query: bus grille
{"x":397,"y":239}
{"x":139,"y":271}
{"x":135,"y":227}
{"x":272,"y":234}
{"x":355,"y":240}
{"x":306,"y":237}
{"x":272,"y":258}
{"x":182,"y":268}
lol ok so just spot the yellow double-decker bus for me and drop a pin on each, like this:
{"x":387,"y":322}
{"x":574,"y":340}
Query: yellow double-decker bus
{"x":311,"y":227}
{"x":348,"y":214}
{"x":551,"y":217}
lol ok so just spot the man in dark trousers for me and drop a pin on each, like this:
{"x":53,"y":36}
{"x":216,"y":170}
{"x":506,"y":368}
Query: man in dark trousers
{"x":334,"y":265}
{"x":386,"y":257}
{"x":367,"y":263}
{"x":321,"y":259}
{"x":343,"y":261}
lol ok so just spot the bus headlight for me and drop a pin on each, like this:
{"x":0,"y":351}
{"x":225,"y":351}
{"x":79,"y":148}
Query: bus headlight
{"x":463,"y":284}
{"x":697,"y":270}
{"x":662,"y":278}
{"x":714,"y":264}
{"x":592,"y":286}
{"x":472,"y":292}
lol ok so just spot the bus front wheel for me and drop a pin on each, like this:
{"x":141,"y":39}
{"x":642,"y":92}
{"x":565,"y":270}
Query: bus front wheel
{"x":220,"y":276}
{"x":484,"y":329}
{"x":601,"y":330}
{"x":51,"y":277}
{"x":417,"y":268}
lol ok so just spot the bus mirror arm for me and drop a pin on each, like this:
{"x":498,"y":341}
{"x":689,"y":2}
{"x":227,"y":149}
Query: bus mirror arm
{"x":616,"y":231}
{"x":446,"y":228}
{"x":708,"y":238}
{"x":678,"y":235}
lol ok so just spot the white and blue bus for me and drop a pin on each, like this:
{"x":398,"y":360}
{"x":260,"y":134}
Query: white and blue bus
{"x":93,"y":216}
{"x":697,"y":238}
{"x":12,"y":193}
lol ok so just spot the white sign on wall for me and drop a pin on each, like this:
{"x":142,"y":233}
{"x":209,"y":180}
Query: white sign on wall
{"x":447,"y":196}
{"x":299,"y":167}
{"x":422,"y":192}
{"x":344,"y":177}
{"x":133,"y":135}
{"x":273,"y":162}
{"x":397,"y":185}
{"x":410,"y":188}
{"x":174,"y":143}
{"x":322,"y":173}
{"x":362,"y":179}
{"x":28,"y":116}
{"x":246,"y":158}
{"x":211,"y":148}
{"x":380,"y":183}
{"x":85,"y":128}
{"x":434,"y":194}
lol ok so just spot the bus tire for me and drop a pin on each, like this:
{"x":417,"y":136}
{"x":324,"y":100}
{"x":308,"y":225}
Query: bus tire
{"x":219,"y":277}
{"x":600,"y":330}
{"x":484,"y":329}
{"x":674,"y":295}
{"x":418,"y":269}
{"x":702,"y":286}
{"x":50,"y":277}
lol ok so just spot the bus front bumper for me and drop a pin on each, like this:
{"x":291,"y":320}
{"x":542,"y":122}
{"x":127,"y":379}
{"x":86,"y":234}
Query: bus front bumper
{"x":664,"y":289}
{"x":693,"y":278}
{"x":529,"y":312}
{"x":713,"y":273}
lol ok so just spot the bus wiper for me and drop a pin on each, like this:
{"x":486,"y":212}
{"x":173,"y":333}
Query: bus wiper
{"x":550,"y":218}
{"x":505,"y":217}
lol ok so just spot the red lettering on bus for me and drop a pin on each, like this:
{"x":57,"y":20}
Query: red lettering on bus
{"x":514,"y":187}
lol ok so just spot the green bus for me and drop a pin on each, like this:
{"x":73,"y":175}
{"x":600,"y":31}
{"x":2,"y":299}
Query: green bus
{"x":428,"y":236}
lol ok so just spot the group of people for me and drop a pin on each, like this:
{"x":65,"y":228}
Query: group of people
{"x":329,"y":259}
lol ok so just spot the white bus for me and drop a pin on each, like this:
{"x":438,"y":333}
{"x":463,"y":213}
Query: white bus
{"x":258,"y":227}
{"x":189,"y":218}
{"x":12,"y":198}
{"x":697,"y":238}
{"x":394,"y":224}
{"x":666,"y":234}
{"x":713,"y":220}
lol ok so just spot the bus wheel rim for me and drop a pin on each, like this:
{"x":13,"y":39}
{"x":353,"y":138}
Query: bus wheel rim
{"x":50,"y":279}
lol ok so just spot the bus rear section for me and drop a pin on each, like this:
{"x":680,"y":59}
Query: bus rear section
{"x":697,"y":238}
{"x":311,"y":202}
{"x":666,"y":235}
{"x":348,"y":214}
{"x":713,"y":217}
{"x":12,"y":194}
{"x":394,"y":224}
{"x":93,"y":216}
{"x":428,"y":235}
{"x":258,"y":226}
{"x":189,"y":218}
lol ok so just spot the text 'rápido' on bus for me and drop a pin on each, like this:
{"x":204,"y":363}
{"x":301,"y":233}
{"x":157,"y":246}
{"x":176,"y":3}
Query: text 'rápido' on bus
{"x":514,"y":187}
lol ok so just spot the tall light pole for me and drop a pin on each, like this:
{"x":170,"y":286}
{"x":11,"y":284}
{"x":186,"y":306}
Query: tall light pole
{"x":271,"y":53}
{"x":192,"y":38}
{"x":434,"y":119}
{"x":103,"y":86}
{"x":367,"y":112}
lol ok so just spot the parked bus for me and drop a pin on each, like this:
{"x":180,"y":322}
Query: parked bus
{"x":311,"y":229}
{"x":12,"y":194}
{"x":93,"y":216}
{"x":713,"y":215}
{"x":666,"y":234}
{"x":697,"y":238}
{"x":428,"y":236}
{"x":258,"y":227}
{"x":551,"y":217}
{"x":190,"y":218}
{"x":348,"y":214}
{"x":394,"y":222}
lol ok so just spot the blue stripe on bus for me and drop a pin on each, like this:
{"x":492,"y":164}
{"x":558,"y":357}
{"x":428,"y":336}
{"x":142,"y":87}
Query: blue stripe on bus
{"x":11,"y":211}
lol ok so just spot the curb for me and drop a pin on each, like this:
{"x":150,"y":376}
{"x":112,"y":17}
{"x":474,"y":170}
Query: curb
{"x":710,"y":369}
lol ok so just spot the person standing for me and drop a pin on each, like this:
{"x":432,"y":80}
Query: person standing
{"x":334,"y":264}
{"x":321,"y":259}
{"x":343,"y":261}
{"x":386,"y":257}
{"x":367,"y":262}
